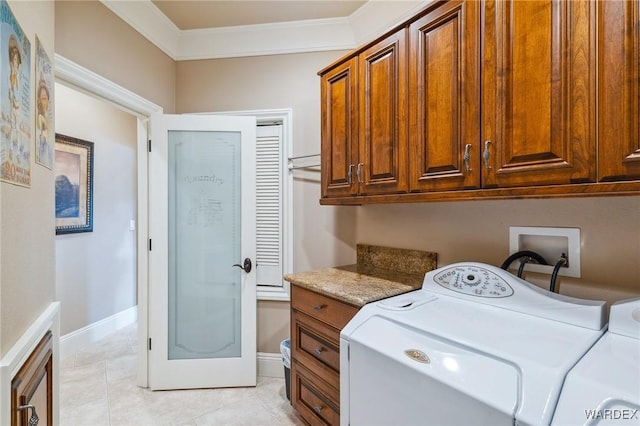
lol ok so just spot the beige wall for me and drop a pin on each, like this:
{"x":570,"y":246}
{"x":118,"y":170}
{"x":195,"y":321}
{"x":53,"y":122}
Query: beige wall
{"x":457,"y":231}
{"x":479,"y":231}
{"x":90,"y":35}
{"x":96,"y":271}
{"x":27,"y":222}
{"x":323,"y":236}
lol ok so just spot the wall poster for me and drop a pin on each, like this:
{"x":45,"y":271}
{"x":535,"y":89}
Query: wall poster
{"x":44,"y":107}
{"x":15,"y":100}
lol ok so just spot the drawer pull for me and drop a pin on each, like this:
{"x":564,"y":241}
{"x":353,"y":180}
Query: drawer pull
{"x":317,"y":409}
{"x":319,"y":351}
{"x":319,"y":307}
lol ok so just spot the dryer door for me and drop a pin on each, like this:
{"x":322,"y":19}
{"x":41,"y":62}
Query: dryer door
{"x":399,"y":375}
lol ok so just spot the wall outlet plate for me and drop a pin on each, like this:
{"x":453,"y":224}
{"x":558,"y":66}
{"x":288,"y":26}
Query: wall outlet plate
{"x":550,"y":243}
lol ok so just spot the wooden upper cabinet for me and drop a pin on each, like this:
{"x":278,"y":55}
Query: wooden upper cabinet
{"x":538,"y":93}
{"x":444,"y":100}
{"x":382,"y":161}
{"x":618,"y":92}
{"x":339,"y":127}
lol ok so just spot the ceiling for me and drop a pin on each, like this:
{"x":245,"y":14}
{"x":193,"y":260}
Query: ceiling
{"x":201,"y":14}
{"x":210,"y":29}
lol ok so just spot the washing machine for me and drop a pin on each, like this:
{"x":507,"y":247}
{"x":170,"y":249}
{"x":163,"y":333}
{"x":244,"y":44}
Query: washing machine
{"x":604,"y":387}
{"x":474,"y":346}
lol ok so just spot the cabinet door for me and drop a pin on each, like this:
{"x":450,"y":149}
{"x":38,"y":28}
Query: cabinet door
{"x":382,"y":164}
{"x":339,"y":127}
{"x":444,"y":83}
{"x":618,"y":93}
{"x":539,"y":92}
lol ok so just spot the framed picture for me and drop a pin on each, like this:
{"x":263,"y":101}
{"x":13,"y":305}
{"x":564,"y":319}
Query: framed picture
{"x":73,"y":167}
{"x":15,"y":100}
{"x":44,"y":107}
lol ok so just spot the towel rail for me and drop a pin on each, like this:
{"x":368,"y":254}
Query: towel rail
{"x":299,"y":157}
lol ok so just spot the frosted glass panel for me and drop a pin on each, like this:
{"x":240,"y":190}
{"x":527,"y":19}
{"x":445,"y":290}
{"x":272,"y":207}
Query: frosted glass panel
{"x":204,"y":243}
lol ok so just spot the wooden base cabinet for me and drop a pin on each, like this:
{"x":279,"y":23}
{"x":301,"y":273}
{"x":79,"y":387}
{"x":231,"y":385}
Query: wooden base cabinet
{"x":316,"y":322}
{"x":32,"y":387}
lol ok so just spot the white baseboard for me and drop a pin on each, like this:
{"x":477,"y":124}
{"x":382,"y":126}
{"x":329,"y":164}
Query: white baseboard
{"x":270,"y":365}
{"x":72,"y":342}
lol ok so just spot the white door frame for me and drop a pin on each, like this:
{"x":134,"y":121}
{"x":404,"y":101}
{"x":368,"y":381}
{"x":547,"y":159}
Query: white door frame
{"x":88,"y":82}
{"x":92,"y":84}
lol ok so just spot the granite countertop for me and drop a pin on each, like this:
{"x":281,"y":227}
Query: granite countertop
{"x":380,"y":272}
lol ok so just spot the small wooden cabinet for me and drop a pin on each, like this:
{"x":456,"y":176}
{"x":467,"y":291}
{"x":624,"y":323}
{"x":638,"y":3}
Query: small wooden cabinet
{"x":538,"y":104}
{"x":618,"y":90}
{"x":364,"y":121}
{"x":339,"y":126}
{"x":316,"y":322}
{"x":444,"y":106}
{"x":32,"y":386}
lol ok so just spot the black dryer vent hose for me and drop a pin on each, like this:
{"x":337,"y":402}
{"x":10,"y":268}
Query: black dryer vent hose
{"x":523,"y":253}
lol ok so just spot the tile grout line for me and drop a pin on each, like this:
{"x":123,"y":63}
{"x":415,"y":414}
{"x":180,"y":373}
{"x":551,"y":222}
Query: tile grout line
{"x":106,"y":383}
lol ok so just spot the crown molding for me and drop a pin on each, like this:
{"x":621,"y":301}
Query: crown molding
{"x":148,"y":20}
{"x":374,"y":17}
{"x":266,"y":39}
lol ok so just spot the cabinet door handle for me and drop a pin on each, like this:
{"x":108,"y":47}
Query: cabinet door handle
{"x":319,"y":307}
{"x":486,"y":155}
{"x":350,"y":174}
{"x":359,"y":172}
{"x":317,"y":409}
{"x":319,"y":351}
{"x":467,"y":157}
{"x":33,"y":420}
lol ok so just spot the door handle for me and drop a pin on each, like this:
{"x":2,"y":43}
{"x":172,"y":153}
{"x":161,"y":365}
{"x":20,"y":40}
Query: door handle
{"x":33,"y":420}
{"x":467,"y":157}
{"x":486,"y":155}
{"x":246,"y":266}
{"x":359,"y":172}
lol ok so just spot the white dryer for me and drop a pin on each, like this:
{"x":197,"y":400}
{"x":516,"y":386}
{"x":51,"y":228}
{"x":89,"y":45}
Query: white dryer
{"x":604,"y":388}
{"x":476,"y":345}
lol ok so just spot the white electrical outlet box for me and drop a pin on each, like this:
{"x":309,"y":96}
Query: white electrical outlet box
{"x":550,"y":243}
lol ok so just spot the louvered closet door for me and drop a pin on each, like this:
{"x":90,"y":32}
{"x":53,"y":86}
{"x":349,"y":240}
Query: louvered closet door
{"x":269,"y":205}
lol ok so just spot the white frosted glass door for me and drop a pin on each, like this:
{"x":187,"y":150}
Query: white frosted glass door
{"x":202,"y":309}
{"x":204,"y":241}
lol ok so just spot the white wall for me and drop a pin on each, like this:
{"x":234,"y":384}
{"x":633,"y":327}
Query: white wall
{"x":96,"y":271}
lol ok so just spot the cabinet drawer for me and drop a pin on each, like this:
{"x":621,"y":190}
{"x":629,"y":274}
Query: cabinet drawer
{"x":323,"y":308}
{"x":319,"y":349}
{"x":313,"y":398}
{"x":317,"y":346}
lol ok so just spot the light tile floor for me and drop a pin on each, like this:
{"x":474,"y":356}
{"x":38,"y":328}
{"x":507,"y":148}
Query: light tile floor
{"x":98,"y":387}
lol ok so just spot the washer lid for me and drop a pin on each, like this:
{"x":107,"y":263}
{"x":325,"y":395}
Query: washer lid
{"x":604,"y":387}
{"x":624,"y":318}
